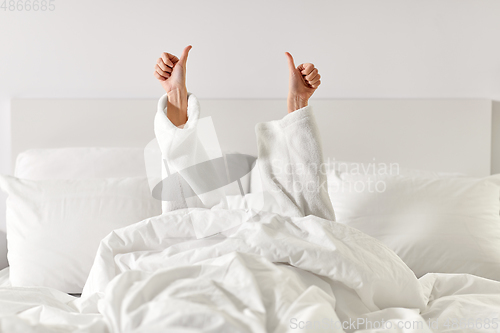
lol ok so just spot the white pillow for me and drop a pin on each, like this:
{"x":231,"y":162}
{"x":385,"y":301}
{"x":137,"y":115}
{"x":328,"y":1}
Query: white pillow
{"x":333,"y":167}
{"x":376,"y":168}
{"x":442,"y":225}
{"x":54,"y":226}
{"x":74,"y":163}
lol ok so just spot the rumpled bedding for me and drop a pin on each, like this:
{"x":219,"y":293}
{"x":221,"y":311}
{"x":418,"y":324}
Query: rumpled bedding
{"x":212,"y":288}
{"x":285,"y":267}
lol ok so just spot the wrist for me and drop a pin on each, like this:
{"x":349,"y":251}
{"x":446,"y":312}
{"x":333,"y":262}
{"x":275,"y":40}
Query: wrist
{"x":177,"y":95}
{"x":295,"y":103}
{"x":177,"y":103}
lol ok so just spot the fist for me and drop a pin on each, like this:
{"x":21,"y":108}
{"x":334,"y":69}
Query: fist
{"x":303,"y":81}
{"x":171,"y":71}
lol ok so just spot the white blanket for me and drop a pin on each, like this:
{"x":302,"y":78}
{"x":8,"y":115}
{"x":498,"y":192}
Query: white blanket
{"x":238,"y":293}
{"x":285,"y":268}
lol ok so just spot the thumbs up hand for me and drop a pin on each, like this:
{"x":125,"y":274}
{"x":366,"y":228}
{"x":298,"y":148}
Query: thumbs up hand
{"x":303,"y":82}
{"x":171,"y":71}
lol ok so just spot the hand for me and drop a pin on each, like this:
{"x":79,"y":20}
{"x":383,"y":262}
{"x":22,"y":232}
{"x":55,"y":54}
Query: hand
{"x":303,"y":82}
{"x":171,"y":72}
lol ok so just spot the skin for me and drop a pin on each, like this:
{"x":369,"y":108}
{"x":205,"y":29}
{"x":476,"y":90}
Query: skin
{"x":171,"y":72}
{"x":303,"y":82}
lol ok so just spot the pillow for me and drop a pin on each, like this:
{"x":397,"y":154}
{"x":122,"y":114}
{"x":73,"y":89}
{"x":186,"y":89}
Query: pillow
{"x":380,"y":169}
{"x":333,"y":167}
{"x":75,"y":163}
{"x":435,"y":224}
{"x":54,"y":227}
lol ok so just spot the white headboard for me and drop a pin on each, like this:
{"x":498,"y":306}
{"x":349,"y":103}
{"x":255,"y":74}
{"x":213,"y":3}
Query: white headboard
{"x":439,"y":135}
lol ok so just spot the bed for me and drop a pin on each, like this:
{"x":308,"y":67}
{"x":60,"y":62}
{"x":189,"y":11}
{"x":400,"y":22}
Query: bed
{"x":415,"y":179}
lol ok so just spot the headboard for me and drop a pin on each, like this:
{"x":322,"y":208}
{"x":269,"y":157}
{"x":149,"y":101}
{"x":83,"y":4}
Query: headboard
{"x":439,"y":135}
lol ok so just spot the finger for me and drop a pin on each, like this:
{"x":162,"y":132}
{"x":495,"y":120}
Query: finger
{"x":313,"y":82}
{"x":291,"y":64}
{"x":161,"y":71}
{"x":166,"y":59}
{"x":163,"y":66}
{"x":306,"y":69}
{"x":315,"y":77}
{"x":166,"y":76}
{"x":169,"y":59}
{"x":159,"y":77}
{"x":185,"y":54}
{"x":312,"y":75}
{"x":316,"y":84}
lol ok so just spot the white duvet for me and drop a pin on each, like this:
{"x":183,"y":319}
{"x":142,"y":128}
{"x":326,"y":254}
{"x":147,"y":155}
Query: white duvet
{"x":272,"y":275}
{"x":287,"y":267}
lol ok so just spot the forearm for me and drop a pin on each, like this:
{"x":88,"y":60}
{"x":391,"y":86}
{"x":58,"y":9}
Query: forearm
{"x":182,"y":149}
{"x":291,"y":165}
{"x":171,"y":72}
{"x":295,"y":103}
{"x":177,"y":105}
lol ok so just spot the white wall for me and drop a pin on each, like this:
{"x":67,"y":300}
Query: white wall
{"x":363,"y":48}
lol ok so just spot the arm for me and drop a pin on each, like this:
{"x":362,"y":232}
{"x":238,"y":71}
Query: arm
{"x":290,"y":154}
{"x":171,"y":72}
{"x":180,"y":133}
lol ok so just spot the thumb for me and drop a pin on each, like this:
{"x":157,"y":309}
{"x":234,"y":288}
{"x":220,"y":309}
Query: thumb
{"x":184,"y":55}
{"x":291,"y":64}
